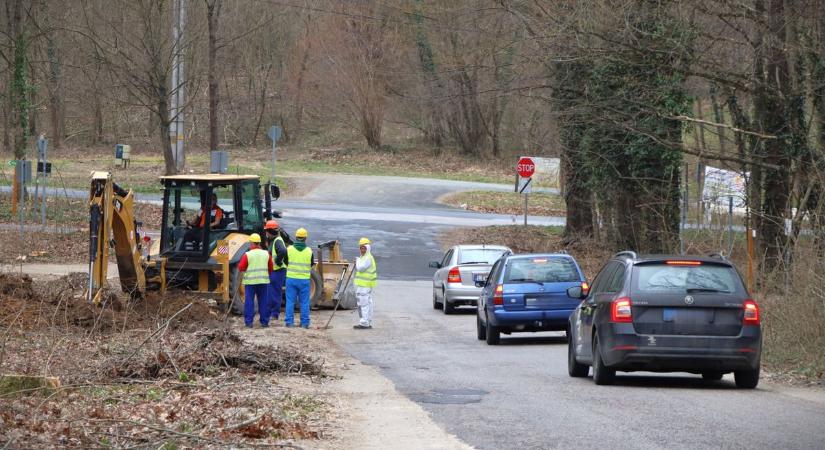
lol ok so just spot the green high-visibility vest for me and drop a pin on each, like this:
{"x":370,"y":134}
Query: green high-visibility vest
{"x":300,"y":263}
{"x":257,"y":271}
{"x":369,"y":277}
{"x":274,"y":255}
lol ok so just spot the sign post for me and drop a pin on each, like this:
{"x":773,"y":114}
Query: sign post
{"x":274,"y":133}
{"x":525,"y":168}
{"x":42,"y":145}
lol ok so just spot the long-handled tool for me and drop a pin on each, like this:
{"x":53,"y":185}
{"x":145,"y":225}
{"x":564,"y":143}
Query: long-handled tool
{"x":337,"y":297}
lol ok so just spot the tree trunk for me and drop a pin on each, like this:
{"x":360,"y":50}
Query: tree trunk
{"x":776,"y":181}
{"x":213,"y":9}
{"x":577,"y":197}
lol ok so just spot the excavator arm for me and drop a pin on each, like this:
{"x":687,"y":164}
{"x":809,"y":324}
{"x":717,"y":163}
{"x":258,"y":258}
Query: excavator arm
{"x":112,"y":225}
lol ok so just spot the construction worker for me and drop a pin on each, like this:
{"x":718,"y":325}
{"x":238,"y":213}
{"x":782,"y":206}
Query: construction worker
{"x":366,"y":278}
{"x":196,"y":226}
{"x":299,"y":265}
{"x":277,"y":249}
{"x":256,"y":264}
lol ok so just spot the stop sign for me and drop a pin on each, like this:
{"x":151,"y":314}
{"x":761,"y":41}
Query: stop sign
{"x":525,"y":167}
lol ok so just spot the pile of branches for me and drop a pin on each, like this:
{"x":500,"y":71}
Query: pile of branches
{"x":210,"y":351}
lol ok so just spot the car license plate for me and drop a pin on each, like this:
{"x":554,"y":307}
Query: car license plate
{"x":529,"y":301}
{"x":669,"y":314}
{"x":479,"y":276}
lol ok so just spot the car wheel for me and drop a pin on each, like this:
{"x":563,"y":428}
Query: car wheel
{"x":481,"y":330}
{"x":493,"y":336}
{"x":746,"y":379}
{"x":436,"y":305}
{"x":602,"y":375}
{"x":448,"y":307}
{"x":574,"y":368}
{"x":712,"y":376}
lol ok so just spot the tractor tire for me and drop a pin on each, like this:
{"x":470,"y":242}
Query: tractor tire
{"x":316,"y":290}
{"x":236,"y":291}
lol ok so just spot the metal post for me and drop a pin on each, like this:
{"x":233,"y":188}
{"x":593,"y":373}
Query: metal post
{"x":273,"y":159}
{"x":682,"y":221}
{"x":525,"y":208}
{"x":22,"y":188}
{"x":730,"y":225}
{"x":176,"y":127}
{"x":751,"y":235}
{"x":43,"y":145}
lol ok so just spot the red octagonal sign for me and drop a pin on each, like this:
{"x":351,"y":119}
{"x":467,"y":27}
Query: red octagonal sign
{"x":525,"y":167}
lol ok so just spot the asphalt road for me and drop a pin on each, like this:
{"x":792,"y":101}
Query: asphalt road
{"x":518,"y":394}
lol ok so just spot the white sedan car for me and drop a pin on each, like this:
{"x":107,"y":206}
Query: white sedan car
{"x":454,"y":283}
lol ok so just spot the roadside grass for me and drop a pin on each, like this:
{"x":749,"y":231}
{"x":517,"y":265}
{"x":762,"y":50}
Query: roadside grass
{"x":539,"y":204}
{"x":792,"y":302}
{"x":72,"y":166}
{"x":67,"y":212}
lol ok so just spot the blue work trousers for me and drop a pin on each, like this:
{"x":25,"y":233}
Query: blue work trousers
{"x":261,"y":291}
{"x":297,"y":288}
{"x":276,"y":291}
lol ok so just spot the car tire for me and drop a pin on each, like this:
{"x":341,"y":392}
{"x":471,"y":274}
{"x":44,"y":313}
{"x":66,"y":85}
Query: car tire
{"x":602,"y":375}
{"x":436,"y":305}
{"x":574,"y":368}
{"x":237,"y":296}
{"x":712,"y":376}
{"x":448,"y":307}
{"x":492,"y":334}
{"x":746,"y":379}
{"x":481,"y":330}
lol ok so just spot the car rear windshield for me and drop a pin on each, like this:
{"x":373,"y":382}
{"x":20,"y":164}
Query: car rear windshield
{"x":540,"y":269}
{"x":685,"y":278}
{"x":480,"y":256}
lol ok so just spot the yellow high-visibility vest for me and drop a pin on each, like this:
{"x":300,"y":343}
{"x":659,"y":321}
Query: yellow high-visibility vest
{"x":369,"y":277}
{"x":274,"y":255}
{"x":257,"y":272}
{"x":300,"y":263}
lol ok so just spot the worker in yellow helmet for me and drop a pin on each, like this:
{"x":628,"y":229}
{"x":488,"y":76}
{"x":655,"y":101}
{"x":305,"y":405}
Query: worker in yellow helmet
{"x":366,"y":278}
{"x":256,"y":264}
{"x":298,"y":269}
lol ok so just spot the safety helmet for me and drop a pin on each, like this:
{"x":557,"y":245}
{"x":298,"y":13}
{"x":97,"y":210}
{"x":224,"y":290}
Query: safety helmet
{"x":271,"y":225}
{"x":364,"y":241}
{"x":301,"y":233}
{"x":255,"y":237}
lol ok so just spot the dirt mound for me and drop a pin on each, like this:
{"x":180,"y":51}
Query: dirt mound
{"x":16,"y":285}
{"x":210,"y":351}
{"x":64,"y":302}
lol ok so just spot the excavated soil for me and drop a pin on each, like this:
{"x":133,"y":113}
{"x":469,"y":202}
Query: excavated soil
{"x":62,"y":302}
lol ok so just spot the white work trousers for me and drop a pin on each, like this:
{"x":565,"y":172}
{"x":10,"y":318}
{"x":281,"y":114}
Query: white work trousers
{"x":364,"y":296}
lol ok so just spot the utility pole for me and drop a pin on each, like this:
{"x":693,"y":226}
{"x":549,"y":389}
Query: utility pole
{"x":176,"y":128}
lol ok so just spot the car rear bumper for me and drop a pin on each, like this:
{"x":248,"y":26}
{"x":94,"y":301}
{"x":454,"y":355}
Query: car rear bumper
{"x":456,"y":294}
{"x":531,"y":320}
{"x":630,"y":351}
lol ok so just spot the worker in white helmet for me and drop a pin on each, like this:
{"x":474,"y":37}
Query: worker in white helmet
{"x":366,"y":278}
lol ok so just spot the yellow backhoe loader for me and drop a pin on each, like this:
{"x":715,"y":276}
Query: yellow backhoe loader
{"x":192,"y":254}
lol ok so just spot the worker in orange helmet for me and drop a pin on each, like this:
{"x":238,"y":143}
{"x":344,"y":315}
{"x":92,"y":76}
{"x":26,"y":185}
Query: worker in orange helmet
{"x":277,"y":278}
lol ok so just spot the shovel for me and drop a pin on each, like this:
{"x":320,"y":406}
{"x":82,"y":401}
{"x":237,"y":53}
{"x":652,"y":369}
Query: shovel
{"x":337,"y":298}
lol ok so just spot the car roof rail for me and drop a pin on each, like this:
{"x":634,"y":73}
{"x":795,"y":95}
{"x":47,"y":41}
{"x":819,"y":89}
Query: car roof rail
{"x":629,"y":253}
{"x":563,"y":252}
{"x":718,"y":255}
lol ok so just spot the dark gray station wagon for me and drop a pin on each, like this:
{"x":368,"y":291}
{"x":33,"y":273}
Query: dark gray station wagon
{"x":666,"y":313}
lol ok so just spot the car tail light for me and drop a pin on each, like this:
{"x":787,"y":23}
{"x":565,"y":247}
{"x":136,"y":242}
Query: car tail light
{"x":454,"y":276}
{"x":498,"y":295}
{"x":620,"y":310}
{"x":684,"y":263}
{"x":751,"y":313}
{"x":585,"y":288}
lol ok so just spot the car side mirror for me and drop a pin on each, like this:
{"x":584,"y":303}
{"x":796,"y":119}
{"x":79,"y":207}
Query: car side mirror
{"x":575,"y":292}
{"x":274,"y":191}
{"x":435,"y":265}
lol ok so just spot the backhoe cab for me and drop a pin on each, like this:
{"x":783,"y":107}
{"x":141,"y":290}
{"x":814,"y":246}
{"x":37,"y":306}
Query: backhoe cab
{"x":205,"y":225}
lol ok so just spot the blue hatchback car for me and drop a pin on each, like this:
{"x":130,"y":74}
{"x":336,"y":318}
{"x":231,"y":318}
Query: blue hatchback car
{"x":528,"y":293}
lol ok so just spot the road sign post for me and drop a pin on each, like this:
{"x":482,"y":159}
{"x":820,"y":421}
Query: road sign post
{"x":274,"y":133}
{"x":42,"y":145}
{"x":525,"y":168}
